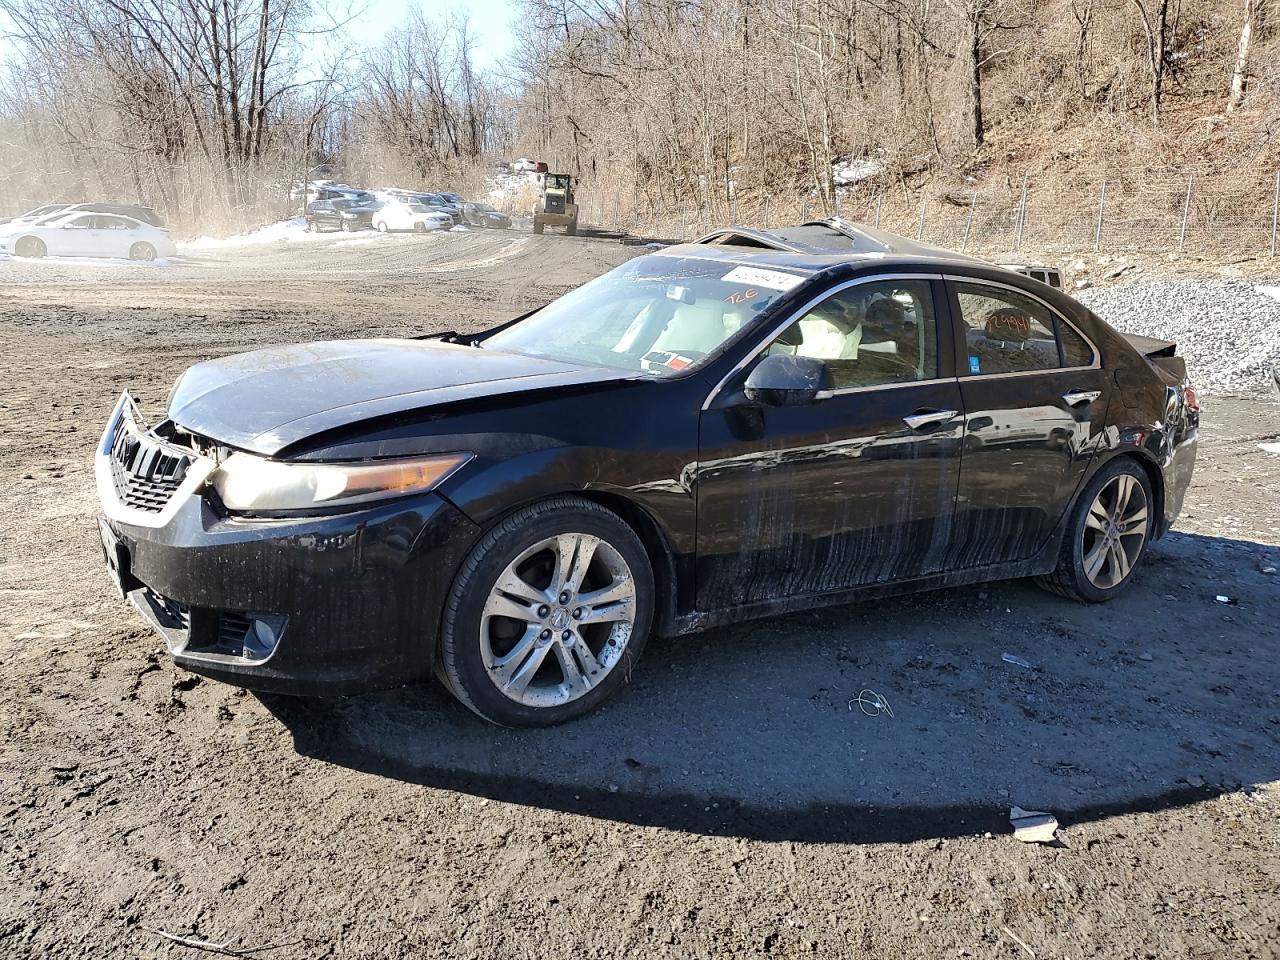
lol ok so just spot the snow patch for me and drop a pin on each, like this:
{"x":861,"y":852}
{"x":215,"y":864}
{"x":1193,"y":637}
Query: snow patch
{"x":855,"y":169}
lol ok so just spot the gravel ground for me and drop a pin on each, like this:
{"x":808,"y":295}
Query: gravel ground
{"x":1228,"y":330}
{"x":728,"y":804}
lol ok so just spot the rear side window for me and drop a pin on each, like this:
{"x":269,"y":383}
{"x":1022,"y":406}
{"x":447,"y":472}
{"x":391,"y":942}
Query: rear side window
{"x":1005,"y":331}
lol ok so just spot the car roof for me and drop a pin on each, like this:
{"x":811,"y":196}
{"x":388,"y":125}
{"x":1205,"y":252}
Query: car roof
{"x":824,"y":245}
{"x":831,"y":241}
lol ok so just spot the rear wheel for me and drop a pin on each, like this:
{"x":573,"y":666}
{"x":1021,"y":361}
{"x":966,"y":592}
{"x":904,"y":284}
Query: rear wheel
{"x":30,"y":247}
{"x":382,"y":226}
{"x":346,"y":226}
{"x":142,"y":251}
{"x":537,"y":227}
{"x":1107,"y":536}
{"x":548,"y":615}
{"x":572,"y":229}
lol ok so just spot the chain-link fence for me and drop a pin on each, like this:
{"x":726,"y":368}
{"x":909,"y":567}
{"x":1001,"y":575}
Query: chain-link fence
{"x":1211,"y":213}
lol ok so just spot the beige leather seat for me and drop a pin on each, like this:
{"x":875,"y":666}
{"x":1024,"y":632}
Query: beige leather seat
{"x":694,"y":327}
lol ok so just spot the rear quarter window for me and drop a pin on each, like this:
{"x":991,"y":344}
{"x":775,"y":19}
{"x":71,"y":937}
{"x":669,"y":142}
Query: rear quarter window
{"x":1076,"y":351}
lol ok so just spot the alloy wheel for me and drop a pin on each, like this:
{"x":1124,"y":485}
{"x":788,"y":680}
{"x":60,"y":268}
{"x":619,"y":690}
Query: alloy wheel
{"x":558,"y":620}
{"x":1115,"y":531}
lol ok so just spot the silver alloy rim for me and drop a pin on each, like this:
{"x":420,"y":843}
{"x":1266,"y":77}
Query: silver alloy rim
{"x":1115,"y":530}
{"x":558,"y":620}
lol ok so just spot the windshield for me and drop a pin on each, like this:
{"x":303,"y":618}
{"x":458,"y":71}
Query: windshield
{"x":656,"y":315}
{"x":418,"y":208}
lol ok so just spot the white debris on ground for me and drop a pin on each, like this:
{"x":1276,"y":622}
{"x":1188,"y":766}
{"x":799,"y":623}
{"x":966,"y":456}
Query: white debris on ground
{"x":1033,"y":826}
{"x":1228,"y":330}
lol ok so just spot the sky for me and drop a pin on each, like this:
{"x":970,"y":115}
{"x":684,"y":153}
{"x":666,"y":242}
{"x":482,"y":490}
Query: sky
{"x":490,"y":22}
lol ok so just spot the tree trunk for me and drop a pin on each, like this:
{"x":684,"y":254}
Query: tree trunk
{"x":975,"y":75}
{"x":1240,"y":75}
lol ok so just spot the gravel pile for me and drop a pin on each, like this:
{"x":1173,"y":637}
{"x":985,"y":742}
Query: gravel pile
{"x":1228,"y":330}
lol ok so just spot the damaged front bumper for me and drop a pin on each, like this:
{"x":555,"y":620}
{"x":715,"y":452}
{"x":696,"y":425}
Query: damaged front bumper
{"x":336,"y":604}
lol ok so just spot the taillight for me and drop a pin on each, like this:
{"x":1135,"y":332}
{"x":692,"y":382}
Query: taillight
{"x":1190,"y":400}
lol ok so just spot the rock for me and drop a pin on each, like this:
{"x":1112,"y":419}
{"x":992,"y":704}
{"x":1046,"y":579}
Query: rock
{"x":1146,"y":657}
{"x":1228,"y":332}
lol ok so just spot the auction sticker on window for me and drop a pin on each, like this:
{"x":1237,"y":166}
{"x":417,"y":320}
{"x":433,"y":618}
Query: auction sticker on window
{"x":773,"y":279}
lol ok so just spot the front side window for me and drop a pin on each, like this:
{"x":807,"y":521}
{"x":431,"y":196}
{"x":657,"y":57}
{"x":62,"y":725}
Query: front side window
{"x":657,"y":315}
{"x":80,"y":223}
{"x":869,"y":335}
{"x":1005,"y":331}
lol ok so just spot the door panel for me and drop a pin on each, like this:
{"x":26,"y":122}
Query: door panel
{"x":804,"y":500}
{"x":842,"y":492}
{"x":1025,"y":451}
{"x":1031,"y":424}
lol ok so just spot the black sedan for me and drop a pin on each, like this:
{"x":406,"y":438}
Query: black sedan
{"x":341,"y":213}
{"x":747,"y":425}
{"x":483,"y":215}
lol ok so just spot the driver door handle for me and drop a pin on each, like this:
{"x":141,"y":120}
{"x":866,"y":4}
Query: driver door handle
{"x":928,"y":418}
{"x":1076,"y":398}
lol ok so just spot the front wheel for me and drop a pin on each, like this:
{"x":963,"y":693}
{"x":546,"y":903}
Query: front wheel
{"x":142,"y":251}
{"x":1107,"y":536}
{"x":537,"y":227}
{"x":548,"y":615}
{"x":382,"y":226}
{"x":32,"y":247}
{"x":346,"y":226}
{"x":419,"y":227}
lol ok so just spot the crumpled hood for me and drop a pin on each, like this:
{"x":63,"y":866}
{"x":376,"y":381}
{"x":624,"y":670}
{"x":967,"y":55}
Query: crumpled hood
{"x":269,"y":399}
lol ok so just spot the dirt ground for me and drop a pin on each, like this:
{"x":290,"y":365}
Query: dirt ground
{"x":729,"y":804}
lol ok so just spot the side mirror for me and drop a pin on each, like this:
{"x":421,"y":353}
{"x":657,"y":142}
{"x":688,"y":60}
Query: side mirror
{"x":785,"y":381}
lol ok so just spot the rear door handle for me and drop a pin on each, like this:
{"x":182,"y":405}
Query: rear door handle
{"x":928,"y":418}
{"x":1076,"y":398}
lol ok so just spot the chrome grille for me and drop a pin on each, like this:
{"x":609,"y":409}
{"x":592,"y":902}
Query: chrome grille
{"x":146,"y":474}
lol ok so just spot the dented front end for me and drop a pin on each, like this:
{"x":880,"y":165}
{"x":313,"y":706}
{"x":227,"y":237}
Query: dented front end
{"x":329,"y":604}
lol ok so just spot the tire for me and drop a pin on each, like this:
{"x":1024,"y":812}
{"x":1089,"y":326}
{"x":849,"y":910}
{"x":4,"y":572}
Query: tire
{"x":32,"y":247}
{"x":571,"y":230}
{"x":419,"y":227}
{"x":142,"y":251}
{"x":381,"y":226}
{"x":308,"y":227}
{"x":537,"y":227}
{"x":346,"y":226}
{"x":1107,"y":511}
{"x":477,"y":644}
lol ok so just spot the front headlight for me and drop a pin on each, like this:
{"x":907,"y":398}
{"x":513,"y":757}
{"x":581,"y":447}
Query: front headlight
{"x":257,"y":485}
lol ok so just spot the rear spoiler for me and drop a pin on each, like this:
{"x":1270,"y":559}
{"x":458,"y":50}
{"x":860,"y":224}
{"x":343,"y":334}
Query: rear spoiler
{"x":1150,"y":347}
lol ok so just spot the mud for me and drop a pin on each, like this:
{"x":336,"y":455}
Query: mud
{"x":732,"y":803}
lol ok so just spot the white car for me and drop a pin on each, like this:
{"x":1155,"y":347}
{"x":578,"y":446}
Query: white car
{"x":417,"y":217}
{"x":90,"y":235}
{"x":31,"y":216}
